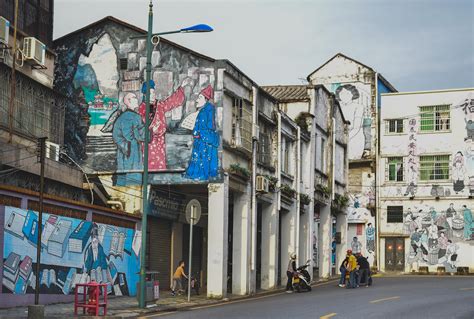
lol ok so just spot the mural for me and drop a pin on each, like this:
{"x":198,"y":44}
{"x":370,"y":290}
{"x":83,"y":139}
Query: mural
{"x":355,"y":100}
{"x":443,"y":238}
{"x":73,"y":251}
{"x":104,"y":71}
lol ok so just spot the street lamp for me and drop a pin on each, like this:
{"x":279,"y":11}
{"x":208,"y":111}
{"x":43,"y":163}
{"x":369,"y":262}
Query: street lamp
{"x":193,"y":29}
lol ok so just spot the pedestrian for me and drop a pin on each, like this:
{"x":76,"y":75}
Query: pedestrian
{"x":351,"y":269}
{"x":343,"y":270}
{"x":289,"y":272}
{"x":364,"y":270}
{"x":178,"y":279}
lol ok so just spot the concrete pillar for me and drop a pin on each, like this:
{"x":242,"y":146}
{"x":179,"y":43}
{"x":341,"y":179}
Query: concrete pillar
{"x":341,"y":227}
{"x":241,"y":244}
{"x":288,"y":236}
{"x":304,"y":239}
{"x":218,"y":214}
{"x":176,"y":247}
{"x":270,"y":235}
{"x":324,"y":242}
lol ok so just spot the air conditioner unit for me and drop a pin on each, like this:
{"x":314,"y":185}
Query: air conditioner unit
{"x":52,"y":151}
{"x":4,"y":30}
{"x":34,"y":50}
{"x":262,"y":184}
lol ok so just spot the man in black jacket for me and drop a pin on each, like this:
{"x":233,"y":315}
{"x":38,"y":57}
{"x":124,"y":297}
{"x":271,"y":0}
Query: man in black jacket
{"x":364,"y":270}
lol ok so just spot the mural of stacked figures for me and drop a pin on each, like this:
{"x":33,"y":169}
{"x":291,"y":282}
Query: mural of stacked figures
{"x":443,"y":238}
{"x":183,"y":116}
{"x":73,"y":251}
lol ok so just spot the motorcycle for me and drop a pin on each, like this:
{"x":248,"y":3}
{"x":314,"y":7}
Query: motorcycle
{"x":301,"y":278}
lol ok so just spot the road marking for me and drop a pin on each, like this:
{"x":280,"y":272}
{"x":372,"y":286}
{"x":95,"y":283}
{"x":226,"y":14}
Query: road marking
{"x":232,"y":302}
{"x":465,"y":289}
{"x":385,"y":299}
{"x":329,"y":315}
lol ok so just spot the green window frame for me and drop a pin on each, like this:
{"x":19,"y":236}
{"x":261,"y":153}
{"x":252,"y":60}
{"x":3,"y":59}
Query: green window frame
{"x":395,"y":169}
{"x":435,"y":118}
{"x":434,"y":167}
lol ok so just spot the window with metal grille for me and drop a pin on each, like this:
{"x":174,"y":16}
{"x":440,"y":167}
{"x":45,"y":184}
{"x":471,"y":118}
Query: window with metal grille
{"x":124,"y":64}
{"x":241,"y":124}
{"x":435,"y":167}
{"x":394,"y":214}
{"x":435,"y":118}
{"x":264,"y":145}
{"x":395,"y":169}
{"x":394,"y":126}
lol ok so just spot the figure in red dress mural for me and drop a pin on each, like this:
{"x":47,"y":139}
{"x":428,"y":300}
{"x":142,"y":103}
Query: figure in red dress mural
{"x":157,"y":146}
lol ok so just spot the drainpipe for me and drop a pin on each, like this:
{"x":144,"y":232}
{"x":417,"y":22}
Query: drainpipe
{"x":377,"y":177}
{"x":278,"y":185}
{"x":253,"y":231}
{"x":298,"y":189}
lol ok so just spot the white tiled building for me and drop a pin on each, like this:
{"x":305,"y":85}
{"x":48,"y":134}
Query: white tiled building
{"x":426,"y":174}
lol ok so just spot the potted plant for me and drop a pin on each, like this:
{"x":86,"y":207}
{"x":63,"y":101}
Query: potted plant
{"x":240,"y":171}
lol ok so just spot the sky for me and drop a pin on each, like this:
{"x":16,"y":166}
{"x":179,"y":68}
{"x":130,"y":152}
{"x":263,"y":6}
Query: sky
{"x":415,"y":44}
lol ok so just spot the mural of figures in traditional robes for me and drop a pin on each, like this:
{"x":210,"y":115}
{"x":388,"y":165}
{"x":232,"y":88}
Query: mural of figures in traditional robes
{"x":204,"y":161}
{"x":157,"y":145}
{"x":128,"y":133}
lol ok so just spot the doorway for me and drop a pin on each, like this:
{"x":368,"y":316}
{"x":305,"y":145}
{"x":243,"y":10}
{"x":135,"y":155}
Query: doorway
{"x":394,"y":254}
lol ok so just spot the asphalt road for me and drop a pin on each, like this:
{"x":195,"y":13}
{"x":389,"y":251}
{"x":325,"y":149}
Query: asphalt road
{"x":390,"y":297}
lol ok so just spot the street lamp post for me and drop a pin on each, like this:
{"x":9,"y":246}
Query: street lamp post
{"x":150,"y":35}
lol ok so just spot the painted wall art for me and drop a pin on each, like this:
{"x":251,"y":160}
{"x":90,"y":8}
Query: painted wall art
{"x":355,"y":101}
{"x":439,"y":237}
{"x":107,"y":69}
{"x":73,"y":251}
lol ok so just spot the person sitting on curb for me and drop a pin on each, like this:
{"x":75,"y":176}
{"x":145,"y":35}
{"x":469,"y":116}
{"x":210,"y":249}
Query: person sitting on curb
{"x":178,"y":279}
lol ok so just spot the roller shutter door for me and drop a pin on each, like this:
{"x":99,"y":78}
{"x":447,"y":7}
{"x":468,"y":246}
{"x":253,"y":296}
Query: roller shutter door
{"x":160,"y":250}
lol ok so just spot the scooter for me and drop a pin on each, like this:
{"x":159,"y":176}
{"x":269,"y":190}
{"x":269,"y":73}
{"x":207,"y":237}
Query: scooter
{"x":301,"y":278}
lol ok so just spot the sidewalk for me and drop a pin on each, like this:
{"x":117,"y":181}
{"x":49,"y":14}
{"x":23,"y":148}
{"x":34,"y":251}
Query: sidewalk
{"x":127,"y":307}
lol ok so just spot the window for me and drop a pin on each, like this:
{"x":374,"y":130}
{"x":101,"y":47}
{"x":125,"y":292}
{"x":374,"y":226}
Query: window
{"x":394,"y":214}
{"x":435,"y":118}
{"x":395,"y":169}
{"x":264,"y":146}
{"x":286,"y":151}
{"x":241,"y":124}
{"x":434,"y":167}
{"x":394,"y":126}
{"x":323,"y":155}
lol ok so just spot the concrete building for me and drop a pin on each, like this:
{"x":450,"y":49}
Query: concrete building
{"x":324,"y":168}
{"x":357,"y":88}
{"x":426,"y":175}
{"x":74,"y":229}
{"x":255,"y":186}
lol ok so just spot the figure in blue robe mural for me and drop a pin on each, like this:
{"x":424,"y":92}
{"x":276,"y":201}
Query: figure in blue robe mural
{"x":203,"y":164}
{"x":128,"y":133}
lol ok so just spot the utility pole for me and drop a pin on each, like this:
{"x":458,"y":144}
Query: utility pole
{"x":142,"y":300}
{"x":41,"y":158}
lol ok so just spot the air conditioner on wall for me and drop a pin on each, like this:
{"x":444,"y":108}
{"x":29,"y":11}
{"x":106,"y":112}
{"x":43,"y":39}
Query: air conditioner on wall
{"x":34,"y":51}
{"x":4,"y":30}
{"x":262,"y":184}
{"x":52,"y":151}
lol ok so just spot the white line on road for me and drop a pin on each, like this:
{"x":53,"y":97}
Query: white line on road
{"x":232,"y":302}
{"x":385,"y":299}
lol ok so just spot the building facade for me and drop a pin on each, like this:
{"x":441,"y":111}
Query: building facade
{"x":357,"y":88}
{"x":216,"y":136}
{"x":426,"y":175}
{"x":80,"y":241}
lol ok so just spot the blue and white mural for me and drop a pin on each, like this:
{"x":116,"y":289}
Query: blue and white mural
{"x":73,"y":251}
